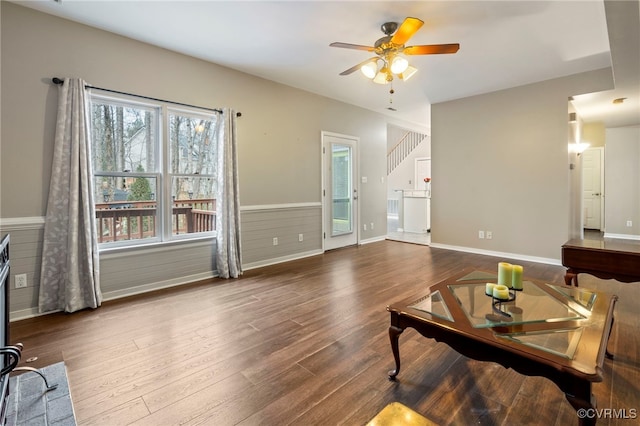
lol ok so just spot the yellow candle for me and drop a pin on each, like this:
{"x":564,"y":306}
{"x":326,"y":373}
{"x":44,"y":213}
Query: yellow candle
{"x":501,"y":292}
{"x":489,"y":289}
{"x":516,"y":277}
{"x":504,"y":273}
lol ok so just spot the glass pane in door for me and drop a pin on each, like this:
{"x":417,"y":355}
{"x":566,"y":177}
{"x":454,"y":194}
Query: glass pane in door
{"x":341,"y":189}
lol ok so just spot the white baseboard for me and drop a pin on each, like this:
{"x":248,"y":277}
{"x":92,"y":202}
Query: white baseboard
{"x":26,"y":313}
{"x":118,"y":294}
{"x":276,"y":260}
{"x":622,"y":236}
{"x":373,"y":240}
{"x":515,"y":256}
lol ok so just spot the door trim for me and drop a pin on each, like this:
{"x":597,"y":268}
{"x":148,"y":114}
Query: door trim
{"x":602,"y":197}
{"x":602,"y":224}
{"x":356,"y":183}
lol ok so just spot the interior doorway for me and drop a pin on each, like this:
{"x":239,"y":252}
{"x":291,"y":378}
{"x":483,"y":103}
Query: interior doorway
{"x":408,"y":203}
{"x":592,"y":189}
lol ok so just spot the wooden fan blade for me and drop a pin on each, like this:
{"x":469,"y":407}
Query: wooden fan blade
{"x":431,"y":49}
{"x":406,"y":30}
{"x":357,"y":67}
{"x":352,"y":46}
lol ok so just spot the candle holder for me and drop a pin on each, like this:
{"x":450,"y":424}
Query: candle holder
{"x":499,"y":314}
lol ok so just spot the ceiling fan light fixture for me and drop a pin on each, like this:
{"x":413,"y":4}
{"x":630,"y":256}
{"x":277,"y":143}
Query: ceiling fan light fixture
{"x":370,"y":69}
{"x":408,"y":73}
{"x":399,"y":65}
{"x":391,"y":61}
{"x":579,"y":147}
{"x":382,"y":77}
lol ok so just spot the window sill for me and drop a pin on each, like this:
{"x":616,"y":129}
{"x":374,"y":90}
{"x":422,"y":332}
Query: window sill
{"x":113,"y":252}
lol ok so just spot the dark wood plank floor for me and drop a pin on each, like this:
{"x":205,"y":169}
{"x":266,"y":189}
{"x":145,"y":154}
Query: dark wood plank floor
{"x":305,"y":343}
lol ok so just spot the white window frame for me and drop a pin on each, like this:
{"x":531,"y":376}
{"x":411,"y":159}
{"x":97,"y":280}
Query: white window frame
{"x":163,"y":197}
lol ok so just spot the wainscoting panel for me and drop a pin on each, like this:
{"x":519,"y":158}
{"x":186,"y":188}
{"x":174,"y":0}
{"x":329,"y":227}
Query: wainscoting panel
{"x":122,"y":273}
{"x":25,"y":251}
{"x":260,"y":225}
{"x":134,"y":271}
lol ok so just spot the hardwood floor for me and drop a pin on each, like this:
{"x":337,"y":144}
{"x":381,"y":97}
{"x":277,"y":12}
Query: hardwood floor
{"x":305,"y":343}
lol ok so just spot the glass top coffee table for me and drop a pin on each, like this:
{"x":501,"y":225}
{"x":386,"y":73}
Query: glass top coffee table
{"x":555,"y":331}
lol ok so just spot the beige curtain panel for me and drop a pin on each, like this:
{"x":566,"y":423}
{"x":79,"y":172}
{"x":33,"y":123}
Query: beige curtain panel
{"x":70,"y":277}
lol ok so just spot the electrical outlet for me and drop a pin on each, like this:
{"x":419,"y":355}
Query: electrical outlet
{"x":275,"y":241}
{"x":372,"y":226}
{"x":629,"y":223}
{"x":300,"y":237}
{"x":489,"y":235}
{"x":364,"y":226}
{"x":21,"y":280}
{"x":481,"y":235}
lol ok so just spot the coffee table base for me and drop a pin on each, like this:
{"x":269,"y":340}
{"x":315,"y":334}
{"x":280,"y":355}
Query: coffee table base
{"x":577,"y":390}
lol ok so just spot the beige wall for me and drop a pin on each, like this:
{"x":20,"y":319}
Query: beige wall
{"x":594,"y":134}
{"x":279,"y":129}
{"x":500,"y":164}
{"x":575,"y":179}
{"x":499,"y":160}
{"x":622,"y":182}
{"x":279,"y":142}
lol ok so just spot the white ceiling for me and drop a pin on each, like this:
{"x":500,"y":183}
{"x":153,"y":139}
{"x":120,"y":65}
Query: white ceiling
{"x":502,"y":44}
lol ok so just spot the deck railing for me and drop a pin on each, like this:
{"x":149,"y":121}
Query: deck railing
{"x":133,"y":220}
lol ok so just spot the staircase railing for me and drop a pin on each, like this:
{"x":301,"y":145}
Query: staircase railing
{"x":403,"y":148}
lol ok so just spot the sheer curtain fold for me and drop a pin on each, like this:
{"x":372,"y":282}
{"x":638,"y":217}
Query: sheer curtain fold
{"x":70,"y":278}
{"x":228,"y":253}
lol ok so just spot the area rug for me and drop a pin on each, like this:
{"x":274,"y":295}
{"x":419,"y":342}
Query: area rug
{"x":30,"y":404}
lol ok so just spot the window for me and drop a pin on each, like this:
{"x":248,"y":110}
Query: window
{"x":154,"y":170}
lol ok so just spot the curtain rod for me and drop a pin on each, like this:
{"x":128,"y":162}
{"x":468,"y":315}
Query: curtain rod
{"x":57,"y":80}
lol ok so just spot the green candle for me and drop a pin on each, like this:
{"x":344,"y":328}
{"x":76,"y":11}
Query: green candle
{"x":504,"y":273}
{"x":501,"y":292}
{"x":489,"y":288}
{"x":516,"y":277}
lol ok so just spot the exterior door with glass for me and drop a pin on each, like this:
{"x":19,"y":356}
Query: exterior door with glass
{"x":339,"y":190}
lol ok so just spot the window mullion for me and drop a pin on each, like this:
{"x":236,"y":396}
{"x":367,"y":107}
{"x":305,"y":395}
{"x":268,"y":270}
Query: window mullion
{"x":167,"y":210}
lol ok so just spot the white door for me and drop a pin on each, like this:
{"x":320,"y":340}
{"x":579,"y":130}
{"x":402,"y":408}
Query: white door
{"x":592,"y":161}
{"x":339,"y":190}
{"x":423,"y":170}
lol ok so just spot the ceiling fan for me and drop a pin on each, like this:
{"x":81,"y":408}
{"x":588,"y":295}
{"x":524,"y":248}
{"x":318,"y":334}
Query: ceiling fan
{"x":389,"y":49}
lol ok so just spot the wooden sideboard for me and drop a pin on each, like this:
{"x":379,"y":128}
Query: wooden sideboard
{"x":617,"y":259}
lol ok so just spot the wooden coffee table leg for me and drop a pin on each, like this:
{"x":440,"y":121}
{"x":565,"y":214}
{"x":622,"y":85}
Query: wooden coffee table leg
{"x":608,"y":354}
{"x":584,"y":404}
{"x":571,"y":277}
{"x":394,"y":334}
